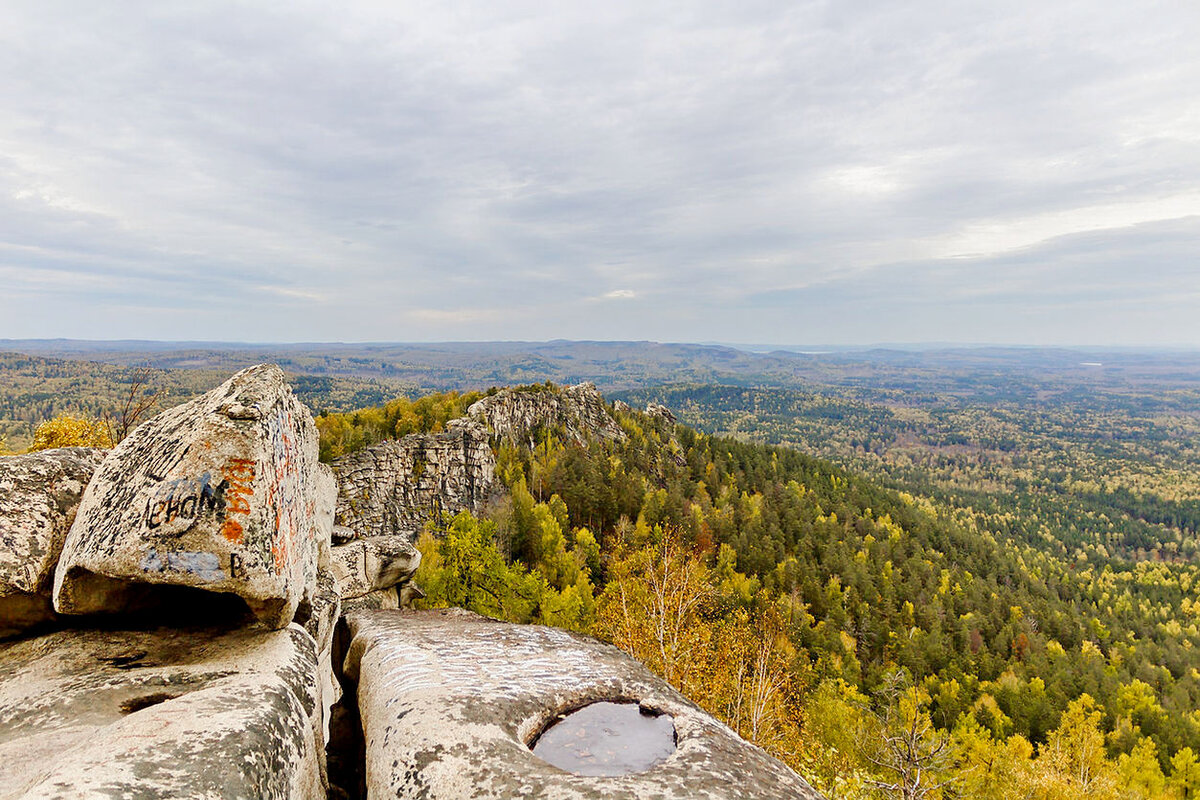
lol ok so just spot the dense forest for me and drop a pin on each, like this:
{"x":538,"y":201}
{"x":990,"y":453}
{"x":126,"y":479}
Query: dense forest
{"x":1095,"y":475}
{"x":884,"y":643}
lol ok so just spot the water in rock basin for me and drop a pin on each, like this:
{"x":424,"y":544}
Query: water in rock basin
{"x":607,"y":739}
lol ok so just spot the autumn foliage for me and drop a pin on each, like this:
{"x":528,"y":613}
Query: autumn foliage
{"x":879,"y":649}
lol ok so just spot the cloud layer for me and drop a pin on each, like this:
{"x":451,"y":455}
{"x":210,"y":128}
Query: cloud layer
{"x":784,"y":172}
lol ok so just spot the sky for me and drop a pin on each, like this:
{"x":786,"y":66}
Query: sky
{"x":785,"y":172}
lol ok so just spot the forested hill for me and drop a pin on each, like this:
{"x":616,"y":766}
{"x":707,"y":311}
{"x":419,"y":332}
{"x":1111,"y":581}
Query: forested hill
{"x":855,"y":631}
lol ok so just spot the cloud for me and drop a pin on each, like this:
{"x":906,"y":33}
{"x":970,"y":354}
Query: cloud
{"x":431,"y":170}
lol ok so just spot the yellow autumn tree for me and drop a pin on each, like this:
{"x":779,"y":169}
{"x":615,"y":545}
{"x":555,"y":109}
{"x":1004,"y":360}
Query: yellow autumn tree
{"x":1072,"y":763}
{"x":991,"y":767}
{"x":67,"y":431}
{"x":753,"y":685}
{"x":653,"y":609}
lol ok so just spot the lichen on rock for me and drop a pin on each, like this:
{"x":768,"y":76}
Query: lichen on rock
{"x":198,"y":713}
{"x":39,"y":495}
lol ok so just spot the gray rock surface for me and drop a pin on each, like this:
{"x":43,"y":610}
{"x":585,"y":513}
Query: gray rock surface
{"x":393,"y":488}
{"x":374,"y":601}
{"x":367,"y":565}
{"x":660,"y":411}
{"x":39,"y":494}
{"x":578,"y":412}
{"x":449,"y":702}
{"x":200,"y":713}
{"x":223,"y":493}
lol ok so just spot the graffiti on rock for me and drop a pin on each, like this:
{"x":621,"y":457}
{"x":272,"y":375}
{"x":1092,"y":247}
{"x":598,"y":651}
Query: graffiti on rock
{"x":239,"y":477}
{"x":206,"y":566}
{"x":284,"y":486}
{"x":185,"y":498}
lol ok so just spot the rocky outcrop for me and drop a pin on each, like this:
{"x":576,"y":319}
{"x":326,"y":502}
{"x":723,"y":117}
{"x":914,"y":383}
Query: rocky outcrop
{"x":223,"y":493}
{"x":395,"y":487}
{"x":450,"y":702}
{"x":576,"y":412}
{"x":39,"y":494}
{"x":368,"y":565}
{"x":216,"y":519}
{"x":198,"y":713}
{"x":659,"y":411}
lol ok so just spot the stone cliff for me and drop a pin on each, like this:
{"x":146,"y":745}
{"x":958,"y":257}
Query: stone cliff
{"x":395,"y":487}
{"x":576,"y":412}
{"x":182,"y":617}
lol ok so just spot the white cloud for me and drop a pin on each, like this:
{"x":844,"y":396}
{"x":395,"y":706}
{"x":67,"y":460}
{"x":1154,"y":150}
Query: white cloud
{"x":459,"y":160}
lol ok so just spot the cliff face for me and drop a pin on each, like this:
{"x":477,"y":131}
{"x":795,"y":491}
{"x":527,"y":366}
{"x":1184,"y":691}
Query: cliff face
{"x":395,"y":487}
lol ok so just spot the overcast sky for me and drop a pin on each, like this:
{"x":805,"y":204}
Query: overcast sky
{"x":785,"y":172}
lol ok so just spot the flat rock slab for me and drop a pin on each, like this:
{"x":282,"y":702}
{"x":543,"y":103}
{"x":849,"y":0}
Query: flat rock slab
{"x":160,"y":714}
{"x":223,"y":493}
{"x":39,"y":495}
{"x":450,"y":701}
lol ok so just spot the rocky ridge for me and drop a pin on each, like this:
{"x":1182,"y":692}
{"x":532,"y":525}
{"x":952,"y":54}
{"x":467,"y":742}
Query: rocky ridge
{"x":578,"y":412}
{"x":393,"y":488}
{"x":216,"y":635}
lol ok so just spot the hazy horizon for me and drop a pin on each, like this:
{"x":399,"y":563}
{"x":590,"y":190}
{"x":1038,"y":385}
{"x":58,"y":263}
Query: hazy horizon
{"x":750,"y":347}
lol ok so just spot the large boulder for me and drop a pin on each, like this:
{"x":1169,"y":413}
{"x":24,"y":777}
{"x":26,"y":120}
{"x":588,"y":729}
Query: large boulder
{"x":200,"y":713}
{"x":450,"y":703}
{"x":223,"y":494}
{"x":39,"y":494}
{"x":368,"y":565}
{"x":393,"y":488}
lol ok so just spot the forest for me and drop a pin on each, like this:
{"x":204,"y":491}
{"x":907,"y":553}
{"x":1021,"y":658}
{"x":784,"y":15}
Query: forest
{"x":884,"y":643}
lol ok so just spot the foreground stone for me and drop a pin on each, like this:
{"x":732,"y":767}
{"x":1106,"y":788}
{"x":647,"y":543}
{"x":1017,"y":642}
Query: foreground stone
{"x":39,"y":494}
{"x":223,"y":493}
{"x":395,"y":487}
{"x":199,"y":713}
{"x":449,"y":702}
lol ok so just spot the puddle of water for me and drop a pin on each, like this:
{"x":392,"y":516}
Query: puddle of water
{"x":607,"y":739}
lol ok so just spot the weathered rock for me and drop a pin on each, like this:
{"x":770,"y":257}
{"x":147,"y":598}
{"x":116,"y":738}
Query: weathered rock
{"x":395,"y":487}
{"x":450,"y":701}
{"x":223,"y":493}
{"x":388,"y":599}
{"x":577,"y":412}
{"x":367,"y":565}
{"x":393,"y":598}
{"x":319,"y":616}
{"x":39,"y":494}
{"x":660,"y":411}
{"x":201,"y":713}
